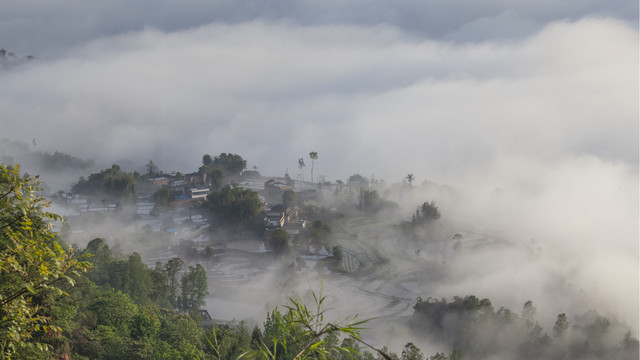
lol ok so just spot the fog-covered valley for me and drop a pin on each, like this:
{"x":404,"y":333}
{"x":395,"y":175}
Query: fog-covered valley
{"x":530,"y":239}
{"x":412,"y":159}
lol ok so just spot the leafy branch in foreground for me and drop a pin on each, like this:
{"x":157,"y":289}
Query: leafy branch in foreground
{"x":34,"y":266}
{"x":302,"y":333}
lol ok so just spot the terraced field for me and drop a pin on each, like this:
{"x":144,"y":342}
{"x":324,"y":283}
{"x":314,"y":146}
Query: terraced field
{"x":245,"y":284}
{"x":378,"y":277}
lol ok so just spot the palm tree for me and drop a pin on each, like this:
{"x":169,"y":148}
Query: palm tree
{"x":410,"y":179}
{"x":301,"y":167}
{"x":314,"y":156}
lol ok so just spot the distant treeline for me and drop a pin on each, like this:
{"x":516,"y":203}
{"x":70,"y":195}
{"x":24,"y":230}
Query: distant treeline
{"x":13,"y":152}
{"x":473,"y":325}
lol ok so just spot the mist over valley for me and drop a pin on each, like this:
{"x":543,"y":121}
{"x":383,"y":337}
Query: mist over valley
{"x":466,"y":180}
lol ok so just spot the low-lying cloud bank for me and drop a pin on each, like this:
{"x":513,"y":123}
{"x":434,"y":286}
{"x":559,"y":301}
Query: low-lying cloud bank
{"x":570,"y":231}
{"x":367,"y":99}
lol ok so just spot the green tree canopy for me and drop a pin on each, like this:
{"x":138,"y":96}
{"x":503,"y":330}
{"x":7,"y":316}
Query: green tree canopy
{"x":113,"y":308}
{"x":172,"y":267}
{"x":33,"y":263}
{"x":193,"y":287}
{"x":280,"y":241}
{"x":217,"y":177}
{"x":112,"y":183}
{"x":411,"y":352}
{"x":207,"y":160}
{"x":234,"y":204}
{"x":426,"y":213}
{"x":100,"y":256}
{"x":131,"y":276}
{"x":231,"y":164}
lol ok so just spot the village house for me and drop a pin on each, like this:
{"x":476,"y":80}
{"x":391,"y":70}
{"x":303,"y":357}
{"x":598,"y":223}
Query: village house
{"x":160,"y":182}
{"x":183,"y":192}
{"x":199,"y":193}
{"x":282,"y":217}
{"x":274,"y":220}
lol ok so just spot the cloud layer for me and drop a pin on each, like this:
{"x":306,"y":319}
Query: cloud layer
{"x":368,"y":99}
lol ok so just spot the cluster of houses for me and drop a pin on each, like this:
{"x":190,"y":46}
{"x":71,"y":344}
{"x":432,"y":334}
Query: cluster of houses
{"x":191,"y":187}
{"x":194,"y":187}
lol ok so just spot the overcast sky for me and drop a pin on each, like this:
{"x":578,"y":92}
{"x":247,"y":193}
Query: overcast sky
{"x":537,"y":98}
{"x":45,"y":27}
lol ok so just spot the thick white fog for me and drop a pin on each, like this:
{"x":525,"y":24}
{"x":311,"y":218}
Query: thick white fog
{"x":572,"y":228}
{"x":372,"y":100}
{"x":529,"y":110}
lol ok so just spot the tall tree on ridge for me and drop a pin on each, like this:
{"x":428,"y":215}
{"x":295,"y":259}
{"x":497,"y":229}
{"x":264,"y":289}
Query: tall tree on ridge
{"x":314,"y":156}
{"x":410,"y":178}
{"x":152,"y":169}
{"x":301,"y":166}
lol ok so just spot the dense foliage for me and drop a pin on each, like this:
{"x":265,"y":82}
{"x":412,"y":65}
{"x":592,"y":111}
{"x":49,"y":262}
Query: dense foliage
{"x":112,"y":183}
{"x":280,"y":241}
{"x":425,"y":214}
{"x":124,"y":310}
{"x":230,"y":164}
{"x":234,"y":204}
{"x":35,"y":267}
